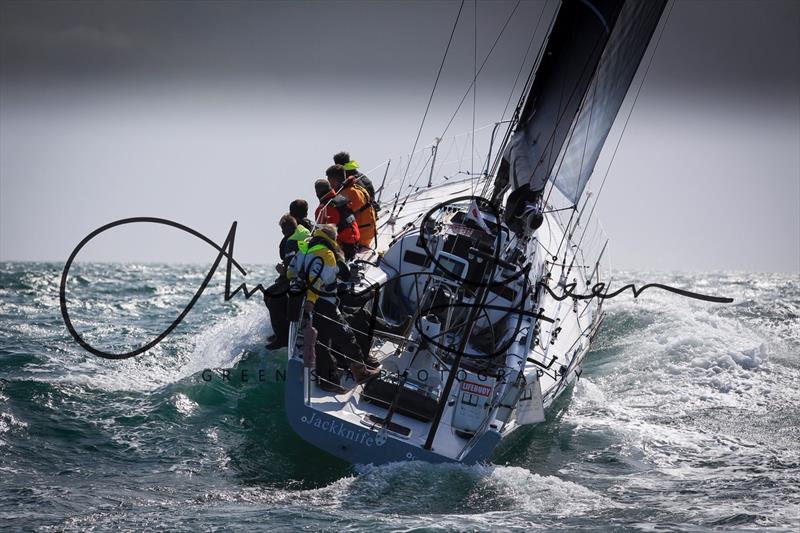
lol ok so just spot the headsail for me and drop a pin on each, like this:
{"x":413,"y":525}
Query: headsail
{"x":588,"y":64}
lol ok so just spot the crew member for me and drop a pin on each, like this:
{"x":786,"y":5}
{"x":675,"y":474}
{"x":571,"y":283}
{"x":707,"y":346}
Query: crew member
{"x":351,"y":169}
{"x":333,"y":209}
{"x":299,"y":210}
{"x":317,"y":268}
{"x":276,"y":295}
{"x":357,"y":200}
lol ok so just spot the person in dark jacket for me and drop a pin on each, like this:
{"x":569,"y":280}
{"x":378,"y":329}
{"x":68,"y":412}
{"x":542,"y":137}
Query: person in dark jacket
{"x":299,"y":210}
{"x":351,"y":170}
{"x":276,"y":296}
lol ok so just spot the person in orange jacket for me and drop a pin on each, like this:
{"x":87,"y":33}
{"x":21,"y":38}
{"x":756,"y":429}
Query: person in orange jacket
{"x":333,"y":209}
{"x":351,"y":169}
{"x":357,"y":200}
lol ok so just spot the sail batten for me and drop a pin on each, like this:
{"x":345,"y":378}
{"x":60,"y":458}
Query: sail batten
{"x":589,"y":62}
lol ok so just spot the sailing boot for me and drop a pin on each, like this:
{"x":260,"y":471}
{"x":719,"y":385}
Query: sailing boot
{"x":330,"y":383}
{"x":275,"y":343}
{"x":363,"y":373}
{"x":371,"y":362}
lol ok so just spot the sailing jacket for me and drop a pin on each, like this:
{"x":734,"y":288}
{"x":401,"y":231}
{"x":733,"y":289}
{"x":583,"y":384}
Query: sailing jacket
{"x":359,"y":202}
{"x":333,"y":209}
{"x":366,"y":183}
{"x":289,"y":245}
{"x":314,"y":266}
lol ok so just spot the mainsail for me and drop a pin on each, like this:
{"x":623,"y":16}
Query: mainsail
{"x":588,"y":64}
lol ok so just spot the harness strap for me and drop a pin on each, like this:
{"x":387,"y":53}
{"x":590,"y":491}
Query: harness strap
{"x":363,"y":208}
{"x":346,"y":216}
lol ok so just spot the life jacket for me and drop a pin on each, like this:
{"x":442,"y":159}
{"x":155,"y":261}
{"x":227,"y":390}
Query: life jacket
{"x":333,"y":209}
{"x":346,"y":215}
{"x":293,"y":242}
{"x":315,"y":267}
{"x":351,"y":170}
{"x":300,"y":234}
{"x":361,"y":207}
{"x":363,"y":181}
{"x":319,"y":242}
{"x":343,"y":271}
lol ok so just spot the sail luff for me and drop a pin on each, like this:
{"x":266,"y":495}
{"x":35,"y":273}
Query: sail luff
{"x":573,"y":50}
{"x":623,"y":53}
{"x":590,"y":58}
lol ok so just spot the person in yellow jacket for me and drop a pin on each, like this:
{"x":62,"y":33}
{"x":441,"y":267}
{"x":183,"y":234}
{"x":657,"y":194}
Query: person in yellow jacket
{"x":358,"y":201}
{"x":315,"y":265}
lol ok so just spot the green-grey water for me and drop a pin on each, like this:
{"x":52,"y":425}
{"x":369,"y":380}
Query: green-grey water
{"x":687,"y":417}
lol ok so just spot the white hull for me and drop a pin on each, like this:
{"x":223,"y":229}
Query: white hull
{"x":549,"y":359}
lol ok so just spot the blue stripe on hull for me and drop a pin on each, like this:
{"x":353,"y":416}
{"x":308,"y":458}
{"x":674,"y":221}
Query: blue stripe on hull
{"x":356,"y":443}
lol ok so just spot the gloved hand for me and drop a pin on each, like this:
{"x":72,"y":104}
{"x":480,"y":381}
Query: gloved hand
{"x":343,"y":270}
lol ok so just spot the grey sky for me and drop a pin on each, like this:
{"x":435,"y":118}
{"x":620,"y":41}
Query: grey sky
{"x":205,"y":113}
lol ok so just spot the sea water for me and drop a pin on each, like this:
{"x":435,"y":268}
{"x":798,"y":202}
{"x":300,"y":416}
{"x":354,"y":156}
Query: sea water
{"x":686,"y":417}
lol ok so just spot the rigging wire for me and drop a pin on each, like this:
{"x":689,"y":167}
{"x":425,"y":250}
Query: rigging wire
{"x":483,"y":64}
{"x":477,"y":73}
{"x":570,"y":231}
{"x":430,"y":99}
{"x":474,"y":93}
{"x":524,"y":60}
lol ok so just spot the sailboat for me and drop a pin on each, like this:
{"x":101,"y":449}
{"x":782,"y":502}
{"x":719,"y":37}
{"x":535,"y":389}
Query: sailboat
{"x":463,"y":300}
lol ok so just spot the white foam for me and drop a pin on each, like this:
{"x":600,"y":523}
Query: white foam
{"x":9,"y":423}
{"x":476,"y":494}
{"x":517,"y":487}
{"x":686,"y":388}
{"x":223,"y":345}
{"x":220,"y":346}
{"x":183,"y":404}
{"x":690,"y":349}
